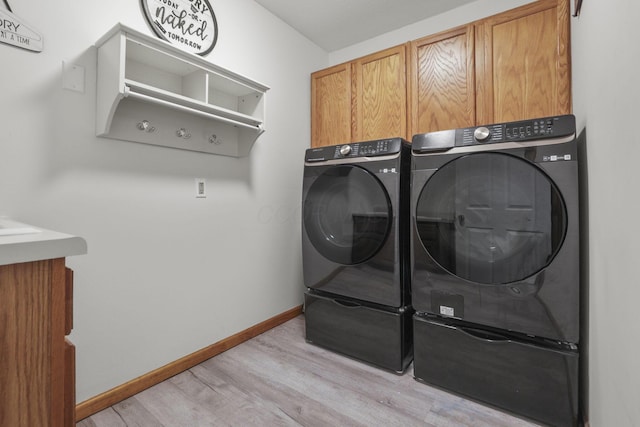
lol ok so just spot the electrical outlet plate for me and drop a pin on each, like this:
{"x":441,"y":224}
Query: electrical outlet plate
{"x":72,"y":77}
{"x":201,"y":188}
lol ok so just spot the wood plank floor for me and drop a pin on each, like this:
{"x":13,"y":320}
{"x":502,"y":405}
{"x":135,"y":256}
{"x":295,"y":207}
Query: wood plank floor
{"x":277,"y":379}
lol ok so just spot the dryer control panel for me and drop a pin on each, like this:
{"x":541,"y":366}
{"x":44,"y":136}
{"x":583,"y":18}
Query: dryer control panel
{"x":380,"y":147}
{"x":520,"y":131}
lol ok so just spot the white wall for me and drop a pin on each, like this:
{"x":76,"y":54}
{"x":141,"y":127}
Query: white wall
{"x":166,"y":273}
{"x":453,"y":18}
{"x":606,"y":92}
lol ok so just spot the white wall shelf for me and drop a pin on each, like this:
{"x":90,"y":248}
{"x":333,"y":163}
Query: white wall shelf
{"x":151,"y":92}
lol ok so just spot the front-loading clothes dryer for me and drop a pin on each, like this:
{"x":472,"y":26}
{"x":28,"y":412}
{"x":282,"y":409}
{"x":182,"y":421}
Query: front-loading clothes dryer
{"x":353,"y":219}
{"x":495,"y":265}
{"x":355,"y":246}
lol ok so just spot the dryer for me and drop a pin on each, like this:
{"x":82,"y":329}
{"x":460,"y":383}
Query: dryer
{"x":355,"y":250}
{"x":495,"y":264}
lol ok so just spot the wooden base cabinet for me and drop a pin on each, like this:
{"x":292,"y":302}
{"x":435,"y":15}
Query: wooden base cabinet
{"x":37,"y":362}
{"x":69,"y":383}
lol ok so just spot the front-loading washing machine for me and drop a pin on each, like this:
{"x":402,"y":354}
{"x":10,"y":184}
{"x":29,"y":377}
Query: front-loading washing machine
{"x":495,"y":264}
{"x":355,"y":247}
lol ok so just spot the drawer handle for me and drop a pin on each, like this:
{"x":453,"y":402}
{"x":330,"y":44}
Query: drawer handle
{"x":483,"y":335}
{"x":347,"y":304}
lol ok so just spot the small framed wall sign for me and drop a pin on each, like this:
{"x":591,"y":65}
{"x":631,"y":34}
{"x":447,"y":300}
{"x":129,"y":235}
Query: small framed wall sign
{"x":16,"y":32}
{"x":188,"y":24}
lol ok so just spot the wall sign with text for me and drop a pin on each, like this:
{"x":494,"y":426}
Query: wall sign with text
{"x":16,"y":32}
{"x":188,"y":24}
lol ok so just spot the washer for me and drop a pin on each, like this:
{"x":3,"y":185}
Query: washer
{"x":355,"y":250}
{"x":495,"y":264}
{"x":495,"y":226}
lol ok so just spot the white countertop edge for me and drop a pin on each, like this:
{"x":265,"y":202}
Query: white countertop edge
{"x":33,"y":243}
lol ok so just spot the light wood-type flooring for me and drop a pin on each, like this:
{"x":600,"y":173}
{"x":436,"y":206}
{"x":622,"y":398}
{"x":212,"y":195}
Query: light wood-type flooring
{"x":277,"y":379}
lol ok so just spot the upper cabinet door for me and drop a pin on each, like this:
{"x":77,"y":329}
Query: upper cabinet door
{"x":507,"y":67}
{"x":379,"y":106}
{"x":523,"y":63}
{"x":442,"y":81}
{"x":331,"y":106}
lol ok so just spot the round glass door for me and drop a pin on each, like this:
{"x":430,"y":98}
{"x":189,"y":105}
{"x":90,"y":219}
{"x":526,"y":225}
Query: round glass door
{"x":491,"y":218}
{"x":347,"y":214}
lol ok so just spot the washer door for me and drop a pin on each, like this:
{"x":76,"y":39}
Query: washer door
{"x":347,"y":214}
{"x":491,"y":218}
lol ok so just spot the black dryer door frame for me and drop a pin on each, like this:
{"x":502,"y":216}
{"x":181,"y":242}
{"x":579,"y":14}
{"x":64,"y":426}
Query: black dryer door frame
{"x":507,"y":281}
{"x":347,"y":214}
{"x":491,"y":218}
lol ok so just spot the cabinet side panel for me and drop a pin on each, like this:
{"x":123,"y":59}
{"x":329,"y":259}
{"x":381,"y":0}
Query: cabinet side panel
{"x":68,"y":303}
{"x":24,"y":344}
{"x":58,"y":318}
{"x":110,"y":82}
{"x":69,"y":384}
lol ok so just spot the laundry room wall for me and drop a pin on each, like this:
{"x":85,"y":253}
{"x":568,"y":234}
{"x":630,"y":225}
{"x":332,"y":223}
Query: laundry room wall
{"x":606,"y":91}
{"x":166,"y":274}
{"x":459,"y":16}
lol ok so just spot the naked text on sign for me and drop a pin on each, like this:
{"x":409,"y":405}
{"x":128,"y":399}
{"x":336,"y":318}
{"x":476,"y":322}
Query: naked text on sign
{"x":178,"y":21}
{"x":189,"y":24}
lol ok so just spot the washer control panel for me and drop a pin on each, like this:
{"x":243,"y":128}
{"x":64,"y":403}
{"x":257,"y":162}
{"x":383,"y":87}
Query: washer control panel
{"x":374,"y":148}
{"x":520,"y":131}
{"x":548,"y":127}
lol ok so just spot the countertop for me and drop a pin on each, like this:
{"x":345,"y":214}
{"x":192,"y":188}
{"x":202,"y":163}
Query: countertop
{"x":21,"y":242}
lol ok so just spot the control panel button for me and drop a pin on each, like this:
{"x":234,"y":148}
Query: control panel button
{"x":345,"y":150}
{"x":482,"y":133}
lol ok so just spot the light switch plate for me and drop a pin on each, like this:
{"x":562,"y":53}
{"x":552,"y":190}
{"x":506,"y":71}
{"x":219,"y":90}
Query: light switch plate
{"x":201,"y":188}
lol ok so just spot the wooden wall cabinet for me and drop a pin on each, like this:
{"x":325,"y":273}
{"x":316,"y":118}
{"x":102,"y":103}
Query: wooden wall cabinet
{"x":360,"y":100}
{"x":331,"y":106}
{"x":523,"y":63}
{"x":379,"y":105}
{"x":511,"y":66}
{"x":442,"y":78}
{"x":37,"y":363}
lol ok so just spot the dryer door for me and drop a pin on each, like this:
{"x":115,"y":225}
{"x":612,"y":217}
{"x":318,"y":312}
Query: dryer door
{"x":491,"y":218}
{"x":347,"y":214}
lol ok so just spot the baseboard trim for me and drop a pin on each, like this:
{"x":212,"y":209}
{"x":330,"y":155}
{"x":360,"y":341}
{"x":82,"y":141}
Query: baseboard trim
{"x":117,"y":394}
